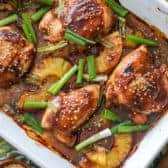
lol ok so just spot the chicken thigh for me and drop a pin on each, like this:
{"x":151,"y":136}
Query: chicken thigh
{"x":136,"y":83}
{"x":71,"y":109}
{"x":88,"y":18}
{"x":16,"y":55}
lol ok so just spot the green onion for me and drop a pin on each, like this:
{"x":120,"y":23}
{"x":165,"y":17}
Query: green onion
{"x":107,"y":114}
{"x":122,"y":26}
{"x":53,"y":47}
{"x":47,"y":2}
{"x":39,"y":14}
{"x":125,"y":127}
{"x":55,"y":88}
{"x":28,"y":28}
{"x":60,"y":8}
{"x":99,"y":78}
{"x":119,"y":10}
{"x":130,"y":129}
{"x":91,"y":67}
{"x":96,"y":137}
{"x":10,"y":19}
{"x":35,"y":105}
{"x":140,"y":40}
{"x":14,"y":3}
{"x":29,"y":120}
{"x":80,"y":71}
{"x":71,"y":36}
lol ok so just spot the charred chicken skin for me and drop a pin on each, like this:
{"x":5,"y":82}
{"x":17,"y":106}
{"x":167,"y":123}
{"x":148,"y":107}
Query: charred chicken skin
{"x":71,"y":109}
{"x":137,"y":84}
{"x":16,"y":55}
{"x":86,"y":18}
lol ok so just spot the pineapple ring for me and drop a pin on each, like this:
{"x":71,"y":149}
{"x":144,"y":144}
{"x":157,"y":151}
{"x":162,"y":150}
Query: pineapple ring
{"x":114,"y":158}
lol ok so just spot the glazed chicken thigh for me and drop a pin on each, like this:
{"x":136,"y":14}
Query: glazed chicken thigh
{"x":16,"y":55}
{"x":136,"y":83}
{"x":85,"y":17}
{"x":71,"y":109}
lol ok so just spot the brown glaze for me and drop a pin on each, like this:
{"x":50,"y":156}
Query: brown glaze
{"x":137,"y":84}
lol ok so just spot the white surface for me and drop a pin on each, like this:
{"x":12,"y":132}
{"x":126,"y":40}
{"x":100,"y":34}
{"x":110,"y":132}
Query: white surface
{"x":43,"y":157}
{"x":150,"y":146}
{"x":149,"y":11}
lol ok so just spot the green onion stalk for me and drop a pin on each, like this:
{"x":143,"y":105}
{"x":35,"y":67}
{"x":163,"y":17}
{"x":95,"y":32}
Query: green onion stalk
{"x":72,"y":36}
{"x":53,"y":47}
{"x":8,"y":20}
{"x":55,"y":88}
{"x":139,"y":40}
{"x":125,"y":127}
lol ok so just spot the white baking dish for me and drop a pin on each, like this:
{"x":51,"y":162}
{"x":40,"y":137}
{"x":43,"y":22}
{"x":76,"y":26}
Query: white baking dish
{"x":149,"y":146}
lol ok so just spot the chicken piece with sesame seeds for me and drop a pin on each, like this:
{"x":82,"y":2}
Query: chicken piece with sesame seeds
{"x":16,"y":55}
{"x":136,"y":83}
{"x":88,"y":18}
{"x":71,"y":110}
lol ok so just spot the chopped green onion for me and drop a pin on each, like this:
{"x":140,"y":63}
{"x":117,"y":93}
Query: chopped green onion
{"x":108,"y":114}
{"x":99,"y":78}
{"x":53,"y":47}
{"x":60,"y":8}
{"x":26,"y":32}
{"x":28,"y":28}
{"x":96,"y":137}
{"x":130,"y":129}
{"x":29,"y":120}
{"x":119,"y":10}
{"x":125,"y":127}
{"x":14,"y":3}
{"x":140,"y":40}
{"x":47,"y":2}
{"x":35,"y":105}
{"x":91,"y":67}
{"x":71,"y":36}
{"x":39,"y":14}
{"x":80,"y":71}
{"x":122,"y":26}
{"x":10,"y":19}
{"x":55,"y":88}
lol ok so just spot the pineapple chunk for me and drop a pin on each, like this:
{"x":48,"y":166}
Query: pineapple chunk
{"x":122,"y":147}
{"x":111,"y":53}
{"x":50,"y":67}
{"x":114,"y":158}
{"x":39,"y":95}
{"x":99,"y":157}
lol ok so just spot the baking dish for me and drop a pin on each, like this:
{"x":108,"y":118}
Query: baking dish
{"x":146,"y":151}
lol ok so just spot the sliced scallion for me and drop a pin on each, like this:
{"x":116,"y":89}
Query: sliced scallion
{"x":29,"y":120}
{"x":35,"y":105}
{"x":60,"y":8}
{"x":118,"y":9}
{"x":55,"y":88}
{"x":139,"y":40}
{"x":47,"y":2}
{"x":53,"y":47}
{"x":125,"y":127}
{"x":99,"y":78}
{"x":28,"y":28}
{"x":39,"y":14}
{"x":72,"y":36}
{"x":109,"y":115}
{"x":91,"y":67}
{"x":9,"y":19}
{"x":80,"y":71}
